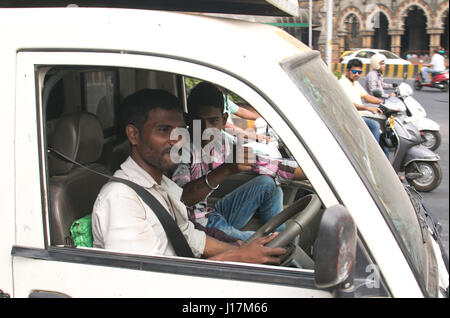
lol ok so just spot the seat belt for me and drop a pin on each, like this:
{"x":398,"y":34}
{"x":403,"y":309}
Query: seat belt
{"x":173,"y":232}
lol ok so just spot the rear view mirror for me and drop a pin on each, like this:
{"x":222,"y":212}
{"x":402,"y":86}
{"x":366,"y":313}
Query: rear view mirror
{"x":335,"y":249}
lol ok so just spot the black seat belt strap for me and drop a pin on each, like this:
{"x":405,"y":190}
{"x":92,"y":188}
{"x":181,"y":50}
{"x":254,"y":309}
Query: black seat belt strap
{"x":173,"y":232}
{"x":171,"y":228}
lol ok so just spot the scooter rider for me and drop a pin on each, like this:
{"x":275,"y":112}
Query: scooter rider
{"x":374,"y":79}
{"x":355,"y":92}
{"x":437,"y":65}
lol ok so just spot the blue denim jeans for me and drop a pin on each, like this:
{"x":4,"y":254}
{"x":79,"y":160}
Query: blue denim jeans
{"x":425,"y":71}
{"x":374,"y":127}
{"x":233,"y":211}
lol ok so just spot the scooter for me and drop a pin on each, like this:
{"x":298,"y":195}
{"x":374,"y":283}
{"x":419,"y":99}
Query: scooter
{"x":439,"y":80}
{"x":419,"y":164}
{"x":416,"y":114}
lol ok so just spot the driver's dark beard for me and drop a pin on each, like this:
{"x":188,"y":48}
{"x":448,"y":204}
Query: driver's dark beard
{"x":165,"y":168}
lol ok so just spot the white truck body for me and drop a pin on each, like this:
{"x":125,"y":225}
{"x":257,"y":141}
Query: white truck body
{"x":252,"y":65}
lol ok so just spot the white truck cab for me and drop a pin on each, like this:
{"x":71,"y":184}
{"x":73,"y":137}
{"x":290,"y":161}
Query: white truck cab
{"x":364,"y":240}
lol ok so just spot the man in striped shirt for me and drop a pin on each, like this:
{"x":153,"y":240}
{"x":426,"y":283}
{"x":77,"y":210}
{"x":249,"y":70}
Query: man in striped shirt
{"x":215,"y":159}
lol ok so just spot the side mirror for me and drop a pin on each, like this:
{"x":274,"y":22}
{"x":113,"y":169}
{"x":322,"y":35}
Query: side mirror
{"x":377,"y":93}
{"x":335,"y":250}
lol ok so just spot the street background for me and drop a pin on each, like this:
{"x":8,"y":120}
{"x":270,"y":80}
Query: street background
{"x":436,"y":104}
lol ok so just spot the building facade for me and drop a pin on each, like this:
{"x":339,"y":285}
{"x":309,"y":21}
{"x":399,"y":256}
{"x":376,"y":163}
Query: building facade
{"x":405,"y":27}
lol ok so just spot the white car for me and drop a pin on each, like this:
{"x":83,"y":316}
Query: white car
{"x":365,"y":54}
{"x":360,"y":235}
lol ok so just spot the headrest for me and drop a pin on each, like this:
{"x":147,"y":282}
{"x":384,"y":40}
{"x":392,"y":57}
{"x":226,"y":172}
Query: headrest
{"x":78,"y":136}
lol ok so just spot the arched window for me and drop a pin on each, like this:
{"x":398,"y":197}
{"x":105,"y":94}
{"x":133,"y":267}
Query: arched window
{"x":354,"y":26}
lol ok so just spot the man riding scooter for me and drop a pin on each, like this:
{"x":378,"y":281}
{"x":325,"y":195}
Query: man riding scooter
{"x":437,"y":68}
{"x":375,"y":80}
{"x":355,"y":92}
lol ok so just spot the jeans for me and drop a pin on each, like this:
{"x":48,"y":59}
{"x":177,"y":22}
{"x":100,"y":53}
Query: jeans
{"x":234,"y":210}
{"x":374,"y":127}
{"x":425,"y":71}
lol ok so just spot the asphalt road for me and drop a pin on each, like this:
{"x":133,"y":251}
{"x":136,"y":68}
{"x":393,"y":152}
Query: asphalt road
{"x":436,"y":105}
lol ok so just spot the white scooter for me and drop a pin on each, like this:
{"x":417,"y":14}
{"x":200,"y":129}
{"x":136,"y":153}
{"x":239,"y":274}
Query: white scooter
{"x":416,"y":114}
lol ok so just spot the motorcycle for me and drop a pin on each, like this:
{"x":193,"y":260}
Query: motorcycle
{"x":419,"y":164}
{"x":416,"y":114}
{"x":439,"y":80}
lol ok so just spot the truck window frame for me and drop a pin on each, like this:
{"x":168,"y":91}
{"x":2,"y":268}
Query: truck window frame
{"x":300,"y":278}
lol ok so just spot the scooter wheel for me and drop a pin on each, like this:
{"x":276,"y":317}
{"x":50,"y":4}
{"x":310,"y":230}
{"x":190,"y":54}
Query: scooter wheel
{"x":417,"y":86}
{"x":444,"y":88}
{"x":431,"y":139}
{"x":431,"y":175}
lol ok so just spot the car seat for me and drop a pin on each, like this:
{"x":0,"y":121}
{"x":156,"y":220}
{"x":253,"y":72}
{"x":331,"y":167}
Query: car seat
{"x":73,"y":189}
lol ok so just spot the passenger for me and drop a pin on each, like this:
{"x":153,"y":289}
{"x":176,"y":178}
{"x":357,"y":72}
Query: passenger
{"x":355,"y":92}
{"x":209,"y":167}
{"x":374,"y":79}
{"x":122,"y":221}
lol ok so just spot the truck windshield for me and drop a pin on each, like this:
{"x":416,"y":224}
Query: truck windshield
{"x":330,"y":101}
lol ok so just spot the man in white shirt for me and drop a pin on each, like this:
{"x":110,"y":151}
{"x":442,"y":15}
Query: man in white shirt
{"x":437,"y":65}
{"x":355,"y":92}
{"x":122,"y":221}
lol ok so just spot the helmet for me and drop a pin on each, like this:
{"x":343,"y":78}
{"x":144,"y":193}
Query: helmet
{"x":376,"y":59}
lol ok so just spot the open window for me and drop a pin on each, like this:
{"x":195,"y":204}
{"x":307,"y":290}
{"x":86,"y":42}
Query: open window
{"x":82,"y":116}
{"x":70,"y":89}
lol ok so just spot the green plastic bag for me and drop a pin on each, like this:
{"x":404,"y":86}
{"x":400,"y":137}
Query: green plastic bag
{"x":82,"y":232}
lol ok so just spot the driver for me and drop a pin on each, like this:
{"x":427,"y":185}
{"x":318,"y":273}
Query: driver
{"x":210,"y":166}
{"x":122,"y":221}
{"x":437,"y":64}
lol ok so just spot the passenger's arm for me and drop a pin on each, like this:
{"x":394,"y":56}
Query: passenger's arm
{"x":197,"y":190}
{"x":236,"y":130}
{"x":299,"y":174}
{"x":247,"y":114}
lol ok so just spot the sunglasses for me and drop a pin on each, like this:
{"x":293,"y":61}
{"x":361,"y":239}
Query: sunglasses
{"x":356,"y":72}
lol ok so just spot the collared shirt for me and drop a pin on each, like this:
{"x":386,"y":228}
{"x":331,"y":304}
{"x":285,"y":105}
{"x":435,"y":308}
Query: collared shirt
{"x":282,"y":170}
{"x":122,"y":221}
{"x":200,"y":163}
{"x":375,"y":80}
{"x":354,"y":90}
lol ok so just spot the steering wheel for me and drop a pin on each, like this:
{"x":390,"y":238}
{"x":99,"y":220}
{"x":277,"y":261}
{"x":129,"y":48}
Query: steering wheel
{"x":297,"y":217}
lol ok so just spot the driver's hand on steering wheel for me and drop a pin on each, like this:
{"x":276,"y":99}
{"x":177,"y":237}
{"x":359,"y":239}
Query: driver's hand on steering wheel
{"x":257,"y":252}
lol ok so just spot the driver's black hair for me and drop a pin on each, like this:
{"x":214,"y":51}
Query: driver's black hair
{"x":136,"y":106}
